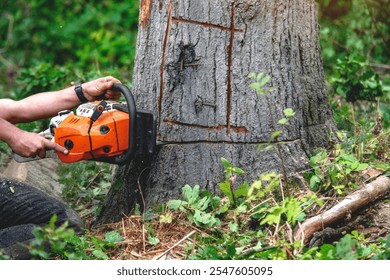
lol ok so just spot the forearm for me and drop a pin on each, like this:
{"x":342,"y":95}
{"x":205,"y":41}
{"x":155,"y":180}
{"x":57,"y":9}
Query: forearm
{"x":8,"y":131}
{"x":38,"y":106}
{"x":48,"y":104}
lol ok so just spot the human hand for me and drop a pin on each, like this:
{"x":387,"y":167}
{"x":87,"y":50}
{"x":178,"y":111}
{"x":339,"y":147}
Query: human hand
{"x":101,"y":89}
{"x":28,"y":144}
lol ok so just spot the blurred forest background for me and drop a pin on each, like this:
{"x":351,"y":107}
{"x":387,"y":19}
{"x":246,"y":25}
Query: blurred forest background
{"x":45,"y":45}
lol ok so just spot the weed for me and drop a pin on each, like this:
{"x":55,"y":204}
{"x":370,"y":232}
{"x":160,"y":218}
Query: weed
{"x":52,"y":242}
{"x":85,"y":185}
{"x":334,"y":172}
{"x":202,"y":208}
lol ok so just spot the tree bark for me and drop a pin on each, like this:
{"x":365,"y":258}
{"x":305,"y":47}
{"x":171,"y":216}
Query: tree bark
{"x":192,"y":66}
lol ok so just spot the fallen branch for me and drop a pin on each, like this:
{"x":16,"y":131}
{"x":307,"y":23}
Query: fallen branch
{"x":350,"y":204}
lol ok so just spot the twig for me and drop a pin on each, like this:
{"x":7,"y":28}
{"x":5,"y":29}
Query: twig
{"x":123,"y":227}
{"x":143,"y":237}
{"x":193,"y":245}
{"x":140,"y":189}
{"x":176,"y":244}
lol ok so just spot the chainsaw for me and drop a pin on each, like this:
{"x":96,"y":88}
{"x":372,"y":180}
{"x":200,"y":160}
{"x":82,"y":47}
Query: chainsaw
{"x":105,"y":131}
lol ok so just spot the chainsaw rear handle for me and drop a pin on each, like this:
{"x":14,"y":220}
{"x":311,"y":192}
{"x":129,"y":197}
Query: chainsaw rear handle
{"x":129,"y":154}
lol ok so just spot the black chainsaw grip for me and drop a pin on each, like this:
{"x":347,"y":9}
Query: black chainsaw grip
{"x":129,"y":154}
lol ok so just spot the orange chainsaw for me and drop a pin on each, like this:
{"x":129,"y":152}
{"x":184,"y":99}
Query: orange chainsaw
{"x":104,"y":131}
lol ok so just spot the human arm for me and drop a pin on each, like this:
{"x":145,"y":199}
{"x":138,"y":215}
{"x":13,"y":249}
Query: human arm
{"x":48,"y":104}
{"x":43,"y":105}
{"x":26,"y":144}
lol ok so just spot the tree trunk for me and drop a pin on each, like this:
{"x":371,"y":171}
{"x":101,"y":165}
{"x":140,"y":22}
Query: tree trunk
{"x":192,"y":66}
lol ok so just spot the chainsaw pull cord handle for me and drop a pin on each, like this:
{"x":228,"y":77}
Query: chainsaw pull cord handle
{"x":129,"y":154}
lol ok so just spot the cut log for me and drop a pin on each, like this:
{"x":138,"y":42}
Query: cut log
{"x":40,"y":174}
{"x":350,"y":204}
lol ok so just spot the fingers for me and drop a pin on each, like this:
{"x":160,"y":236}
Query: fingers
{"x":49,"y":145}
{"x":110,"y":94}
{"x":101,"y":88}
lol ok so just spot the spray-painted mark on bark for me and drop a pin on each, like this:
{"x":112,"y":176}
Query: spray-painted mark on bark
{"x":167,"y":29}
{"x":205,"y":24}
{"x":187,"y":58}
{"x":229,"y":77}
{"x":146,"y":6}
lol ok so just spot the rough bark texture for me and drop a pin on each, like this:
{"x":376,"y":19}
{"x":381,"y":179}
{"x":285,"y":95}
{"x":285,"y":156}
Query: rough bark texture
{"x":193,"y":59}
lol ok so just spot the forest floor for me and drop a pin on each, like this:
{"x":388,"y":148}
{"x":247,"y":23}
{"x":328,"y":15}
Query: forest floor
{"x":177,"y":239}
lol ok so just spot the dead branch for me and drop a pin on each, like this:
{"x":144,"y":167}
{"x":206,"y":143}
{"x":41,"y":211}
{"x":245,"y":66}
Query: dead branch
{"x":350,"y":204}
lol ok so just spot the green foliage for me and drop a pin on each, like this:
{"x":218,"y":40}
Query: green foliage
{"x":226,"y":187}
{"x":84,"y":34}
{"x":52,"y":242}
{"x":290,"y":210}
{"x":352,"y":246}
{"x":202,"y":208}
{"x":354,"y":27}
{"x":333,"y":172}
{"x":355,"y":80}
{"x":260,"y":81}
{"x":85,"y":185}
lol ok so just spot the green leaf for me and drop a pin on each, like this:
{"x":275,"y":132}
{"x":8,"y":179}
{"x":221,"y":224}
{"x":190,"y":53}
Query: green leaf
{"x":268,"y":176}
{"x":274,"y":216}
{"x":314,"y":181}
{"x":215,"y":202}
{"x":113,"y":237}
{"x":166,"y":219}
{"x":269,"y":147}
{"x":226,"y":163}
{"x":153,"y":240}
{"x":361,"y":167}
{"x":276,"y":134}
{"x":191,"y":194}
{"x":292,"y":210}
{"x":255,"y":86}
{"x":289,"y":113}
{"x":283,"y":121}
{"x":233,"y":227}
{"x":252,"y":75}
{"x":238,"y":170}
{"x":242,"y":191}
{"x":264,"y":81}
{"x":206,"y":219}
{"x":99,"y":254}
{"x":259,"y":76}
{"x":225,"y":188}
{"x":175,"y":204}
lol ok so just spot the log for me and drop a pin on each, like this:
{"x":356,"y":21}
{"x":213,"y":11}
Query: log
{"x":40,"y":174}
{"x":366,"y":195}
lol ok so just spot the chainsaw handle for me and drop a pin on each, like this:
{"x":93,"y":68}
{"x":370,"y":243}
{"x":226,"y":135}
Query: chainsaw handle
{"x":129,"y":154}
